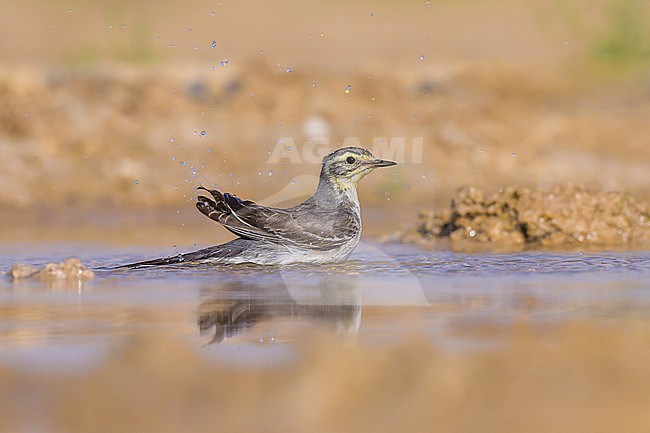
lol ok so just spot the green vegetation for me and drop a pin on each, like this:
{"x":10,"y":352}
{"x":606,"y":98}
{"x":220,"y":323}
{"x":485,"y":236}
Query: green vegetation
{"x":133,"y":43}
{"x":626,"y":37}
{"x":615,"y":34}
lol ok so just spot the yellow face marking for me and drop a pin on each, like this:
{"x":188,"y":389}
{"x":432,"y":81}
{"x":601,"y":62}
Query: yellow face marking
{"x":351,"y":179}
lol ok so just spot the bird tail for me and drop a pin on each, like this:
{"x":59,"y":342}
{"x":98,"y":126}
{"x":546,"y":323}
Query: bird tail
{"x":193,"y":257}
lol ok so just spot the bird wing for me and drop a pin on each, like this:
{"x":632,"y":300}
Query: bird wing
{"x":249,"y":220}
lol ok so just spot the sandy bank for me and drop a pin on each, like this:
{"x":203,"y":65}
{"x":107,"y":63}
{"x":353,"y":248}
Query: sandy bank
{"x":565,"y":216}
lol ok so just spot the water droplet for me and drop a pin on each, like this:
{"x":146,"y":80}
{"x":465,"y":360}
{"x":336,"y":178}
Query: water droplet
{"x":203,"y":133}
{"x":348,"y":88}
{"x":270,"y":173}
{"x":224,"y":62}
{"x":289,"y":148}
{"x":69,"y":11}
{"x":259,"y":173}
{"x":421,"y":58}
{"x":110,"y":27}
{"x":214,"y":43}
{"x":136,"y":181}
{"x":514,"y":154}
{"x":289,"y":70}
{"x":213,"y":13}
{"x":472,"y":233}
{"x":173,"y":158}
{"x":123,"y":26}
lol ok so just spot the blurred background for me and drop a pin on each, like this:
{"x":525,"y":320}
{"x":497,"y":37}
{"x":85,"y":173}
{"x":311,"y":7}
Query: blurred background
{"x":113,"y":112}
{"x":121,"y":108}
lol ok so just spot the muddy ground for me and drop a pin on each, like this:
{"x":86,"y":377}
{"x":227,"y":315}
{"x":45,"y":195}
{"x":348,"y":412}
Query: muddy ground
{"x":516,"y":218}
{"x":147,"y":137}
{"x":129,"y":107}
{"x":133,"y":138}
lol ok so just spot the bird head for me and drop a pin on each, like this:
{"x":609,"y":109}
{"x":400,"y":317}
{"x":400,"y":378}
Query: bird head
{"x":345,"y":167}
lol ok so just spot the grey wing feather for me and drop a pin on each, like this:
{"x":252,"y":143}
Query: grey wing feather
{"x":252,"y":221}
{"x":228,"y":210}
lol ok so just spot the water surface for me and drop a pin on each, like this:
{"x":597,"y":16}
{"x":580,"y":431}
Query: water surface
{"x":261,"y":314}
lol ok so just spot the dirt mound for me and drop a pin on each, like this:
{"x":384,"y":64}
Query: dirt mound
{"x":68,"y":270}
{"x":565,"y":216}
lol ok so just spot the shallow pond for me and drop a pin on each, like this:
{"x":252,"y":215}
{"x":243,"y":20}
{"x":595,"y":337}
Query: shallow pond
{"x":259,"y":315}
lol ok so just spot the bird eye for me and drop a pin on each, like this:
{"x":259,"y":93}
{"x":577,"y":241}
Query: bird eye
{"x":350,"y":160}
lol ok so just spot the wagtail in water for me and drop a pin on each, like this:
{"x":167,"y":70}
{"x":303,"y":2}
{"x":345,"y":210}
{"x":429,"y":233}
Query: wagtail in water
{"x":323,"y":229}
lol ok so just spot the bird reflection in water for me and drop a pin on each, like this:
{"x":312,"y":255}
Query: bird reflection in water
{"x":235,"y":305}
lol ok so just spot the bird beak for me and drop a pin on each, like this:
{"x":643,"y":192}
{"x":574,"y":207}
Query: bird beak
{"x":382,"y":163}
